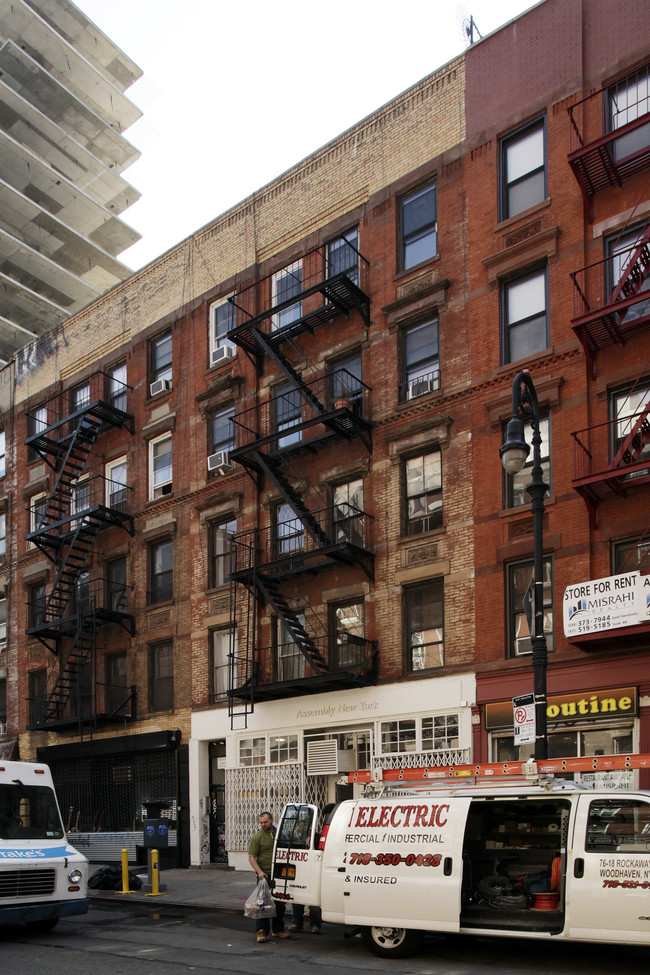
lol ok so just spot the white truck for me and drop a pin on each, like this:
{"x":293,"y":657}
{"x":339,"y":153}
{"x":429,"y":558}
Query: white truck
{"x":42,"y":877}
{"x":545,"y":860}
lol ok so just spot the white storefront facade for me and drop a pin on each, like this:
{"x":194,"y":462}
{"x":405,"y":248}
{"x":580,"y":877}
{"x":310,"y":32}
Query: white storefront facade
{"x":302,"y":748}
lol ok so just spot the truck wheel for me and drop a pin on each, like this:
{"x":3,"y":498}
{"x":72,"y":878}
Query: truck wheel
{"x":392,"y":942}
{"x":42,"y":927}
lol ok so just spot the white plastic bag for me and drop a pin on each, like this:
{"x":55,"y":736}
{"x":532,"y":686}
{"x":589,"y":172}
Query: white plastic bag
{"x":260,"y":903}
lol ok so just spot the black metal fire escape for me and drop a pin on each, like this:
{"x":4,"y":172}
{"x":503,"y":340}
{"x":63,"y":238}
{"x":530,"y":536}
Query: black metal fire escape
{"x":324,"y":410}
{"x":64,"y":526}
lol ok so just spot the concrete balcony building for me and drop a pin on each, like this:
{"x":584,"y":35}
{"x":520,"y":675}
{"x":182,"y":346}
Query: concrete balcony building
{"x":63,"y":112}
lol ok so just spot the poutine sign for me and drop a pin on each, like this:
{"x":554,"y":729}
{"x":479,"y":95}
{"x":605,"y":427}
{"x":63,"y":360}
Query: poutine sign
{"x":606,"y":604}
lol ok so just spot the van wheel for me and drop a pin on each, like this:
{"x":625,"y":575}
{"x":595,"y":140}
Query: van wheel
{"x":392,"y":942}
{"x":42,"y":927}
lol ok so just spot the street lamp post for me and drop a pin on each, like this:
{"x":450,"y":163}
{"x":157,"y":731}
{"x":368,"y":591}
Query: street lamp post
{"x":513,"y":453}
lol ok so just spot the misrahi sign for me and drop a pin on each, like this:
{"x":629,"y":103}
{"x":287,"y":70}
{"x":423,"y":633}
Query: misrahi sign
{"x":606,"y":604}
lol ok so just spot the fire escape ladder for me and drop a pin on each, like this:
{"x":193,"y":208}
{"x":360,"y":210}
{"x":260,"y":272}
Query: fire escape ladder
{"x":312,"y":526}
{"x":299,"y":635}
{"x":292,"y":374}
{"x":74,"y":461}
{"x":634,"y":443}
{"x":70,"y":672}
{"x":636,"y":270}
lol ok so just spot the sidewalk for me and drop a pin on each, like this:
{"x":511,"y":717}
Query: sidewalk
{"x":203,"y":888}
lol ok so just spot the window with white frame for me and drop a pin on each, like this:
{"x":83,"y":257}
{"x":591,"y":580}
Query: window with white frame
{"x":518,"y":579}
{"x":3,"y":536}
{"x":161,"y":571}
{"x":440,"y":733}
{"x":3,"y":453}
{"x":161,"y":357}
{"x":525,"y":316}
{"x":287,"y":405}
{"x":224,"y":643}
{"x":220,"y":534}
{"x":347,"y":630}
{"x":289,"y":531}
{"x":423,"y":492}
{"x":80,"y":500}
{"x":343,"y":255}
{"x":621,"y":249}
{"x":287,"y":284}
{"x":37,"y":512}
{"x":421,"y":359}
{"x":3,"y":624}
{"x":252,"y":751}
{"x":348,"y":512}
{"x":424,"y":609}
{"x":419,"y":226}
{"x":290,"y":661}
{"x":160,"y":466}
{"x":629,"y":408}
{"x":523,"y":169}
{"x":627,"y":101}
{"x":283,"y":748}
{"x":36,"y":423}
{"x":117,"y":388}
{"x":222,"y":431}
{"x":399,"y":736}
{"x":116,"y":484}
{"x":223,"y":318}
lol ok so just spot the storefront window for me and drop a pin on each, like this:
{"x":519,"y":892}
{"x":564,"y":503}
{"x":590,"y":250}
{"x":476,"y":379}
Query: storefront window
{"x":252,"y":751}
{"x":283,"y":748}
{"x":576,"y":743}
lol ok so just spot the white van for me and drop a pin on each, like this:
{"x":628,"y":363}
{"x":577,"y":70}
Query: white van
{"x":527,"y":861}
{"x":42,"y":877}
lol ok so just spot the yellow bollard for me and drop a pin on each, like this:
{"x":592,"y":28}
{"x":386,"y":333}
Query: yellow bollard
{"x":153,"y":873}
{"x":125,"y":872}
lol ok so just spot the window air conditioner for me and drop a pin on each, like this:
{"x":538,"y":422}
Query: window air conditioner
{"x":220,"y":462}
{"x":222,"y":354}
{"x":419,"y":388}
{"x":159,"y":386}
{"x":522,"y":646}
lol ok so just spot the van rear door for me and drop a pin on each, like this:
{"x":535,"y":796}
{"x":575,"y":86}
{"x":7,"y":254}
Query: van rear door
{"x":296,"y":861}
{"x":608,"y":877}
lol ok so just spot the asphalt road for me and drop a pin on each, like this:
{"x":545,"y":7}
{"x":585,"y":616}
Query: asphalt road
{"x":140,"y":941}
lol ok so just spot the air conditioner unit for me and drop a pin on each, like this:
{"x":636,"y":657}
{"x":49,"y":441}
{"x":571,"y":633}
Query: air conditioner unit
{"x":159,"y":386}
{"x":522,"y":646}
{"x":222,"y":354}
{"x":419,"y":388}
{"x":326,"y":758}
{"x":220,"y":462}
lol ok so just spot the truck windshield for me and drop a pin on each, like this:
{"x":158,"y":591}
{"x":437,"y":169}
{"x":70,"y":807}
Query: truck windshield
{"x":29,"y":812}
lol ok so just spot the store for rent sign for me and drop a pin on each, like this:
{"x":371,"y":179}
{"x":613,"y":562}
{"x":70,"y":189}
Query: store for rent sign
{"x":606,"y":604}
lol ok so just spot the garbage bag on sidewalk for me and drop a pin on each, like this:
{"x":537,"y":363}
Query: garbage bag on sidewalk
{"x":110,"y":878}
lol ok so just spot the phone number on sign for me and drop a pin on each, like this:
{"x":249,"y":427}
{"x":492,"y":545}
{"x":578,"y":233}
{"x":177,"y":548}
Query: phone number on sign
{"x":393,"y":859}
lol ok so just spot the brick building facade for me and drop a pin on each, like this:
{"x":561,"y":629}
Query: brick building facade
{"x":268,"y":536}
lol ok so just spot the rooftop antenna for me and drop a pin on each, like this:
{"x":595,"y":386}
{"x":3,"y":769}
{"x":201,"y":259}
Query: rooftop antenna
{"x":469,"y":26}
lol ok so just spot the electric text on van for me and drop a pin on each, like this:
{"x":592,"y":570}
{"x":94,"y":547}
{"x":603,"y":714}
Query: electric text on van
{"x":549,"y":860}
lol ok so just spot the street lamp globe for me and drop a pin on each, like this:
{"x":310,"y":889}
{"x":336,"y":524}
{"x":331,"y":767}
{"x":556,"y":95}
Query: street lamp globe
{"x":514,"y":449}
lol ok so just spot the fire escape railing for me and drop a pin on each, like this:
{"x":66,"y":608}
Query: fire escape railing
{"x":611,"y":458}
{"x":64,"y":524}
{"x":317,"y":289}
{"x":605,"y":315}
{"x":610,"y":135}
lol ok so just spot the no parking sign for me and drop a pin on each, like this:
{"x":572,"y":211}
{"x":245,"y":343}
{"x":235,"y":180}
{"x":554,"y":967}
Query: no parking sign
{"x":523,"y":708}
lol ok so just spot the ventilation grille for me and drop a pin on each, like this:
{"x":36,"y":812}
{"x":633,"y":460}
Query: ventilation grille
{"x":324,"y":758}
{"x":27,"y":883}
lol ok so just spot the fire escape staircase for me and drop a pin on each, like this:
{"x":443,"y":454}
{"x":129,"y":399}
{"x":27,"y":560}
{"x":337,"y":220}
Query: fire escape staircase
{"x":625,"y":312}
{"x":65,"y":532}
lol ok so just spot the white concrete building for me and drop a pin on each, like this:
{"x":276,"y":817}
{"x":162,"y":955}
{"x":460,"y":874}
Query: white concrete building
{"x":63,"y":113}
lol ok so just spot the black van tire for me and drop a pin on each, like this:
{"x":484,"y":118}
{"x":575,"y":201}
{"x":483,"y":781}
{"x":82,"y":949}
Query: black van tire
{"x":42,"y":927}
{"x":392,"y":942}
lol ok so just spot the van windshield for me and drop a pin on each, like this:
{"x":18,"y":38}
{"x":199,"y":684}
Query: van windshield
{"x":29,"y":812}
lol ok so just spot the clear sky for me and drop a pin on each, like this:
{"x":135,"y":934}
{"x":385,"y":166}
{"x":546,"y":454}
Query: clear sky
{"x":235,"y":92}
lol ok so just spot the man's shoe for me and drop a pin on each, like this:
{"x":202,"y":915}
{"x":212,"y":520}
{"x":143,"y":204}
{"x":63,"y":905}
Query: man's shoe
{"x":280,"y":934}
{"x":295,"y":927}
{"x":261,"y":937}
{"x":315,"y":929}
